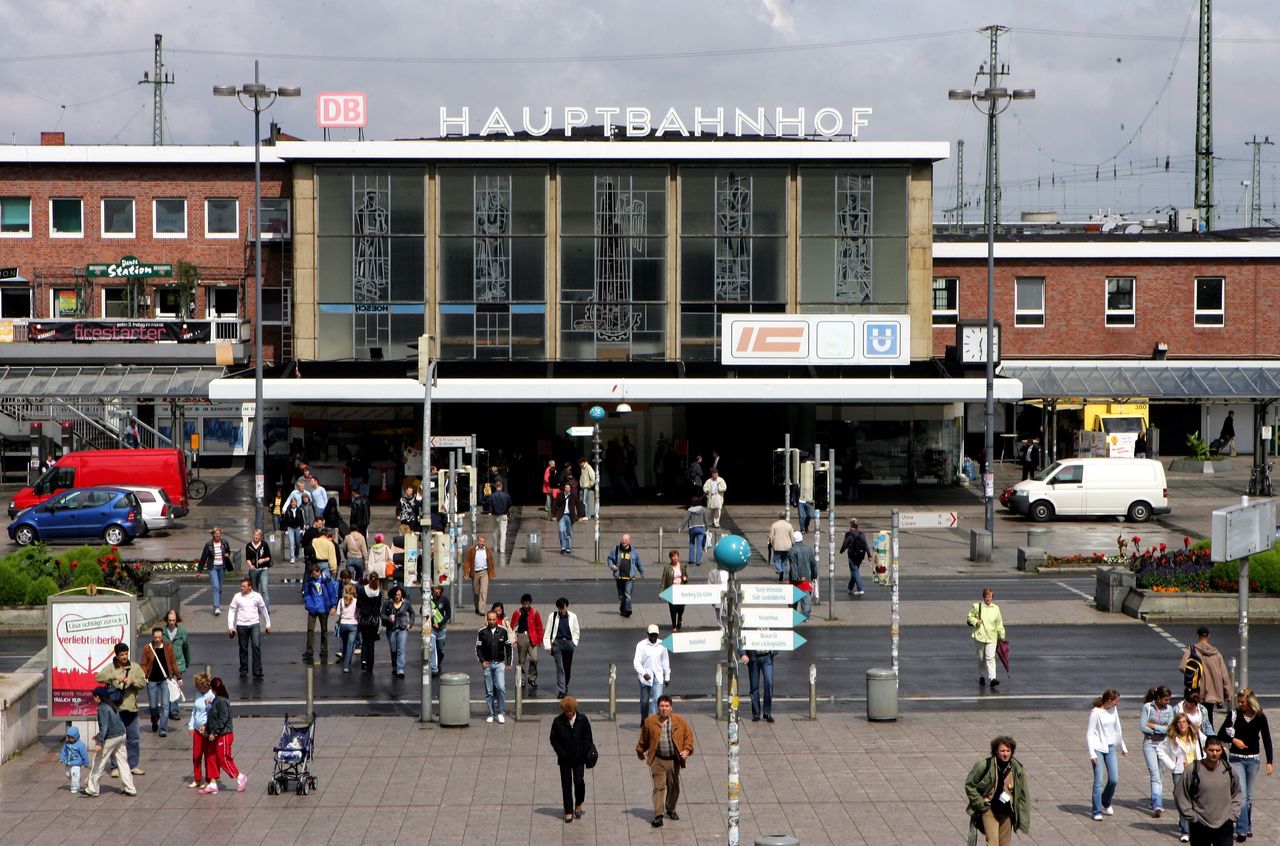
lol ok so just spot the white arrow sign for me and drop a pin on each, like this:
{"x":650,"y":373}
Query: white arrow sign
{"x":693,"y":594}
{"x":928,"y":520}
{"x":778,"y":617}
{"x":767,"y":640}
{"x":694,"y":641}
{"x":777,"y":594}
{"x":580,"y":431}
{"x":451,"y":442}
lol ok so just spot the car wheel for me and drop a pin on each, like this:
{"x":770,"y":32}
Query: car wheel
{"x":1040,"y":511}
{"x":25,"y":535}
{"x":114,"y":535}
{"x":1139,"y":512}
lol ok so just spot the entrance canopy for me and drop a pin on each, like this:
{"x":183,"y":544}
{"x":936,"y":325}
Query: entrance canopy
{"x":1155,"y":380}
{"x":138,"y":380}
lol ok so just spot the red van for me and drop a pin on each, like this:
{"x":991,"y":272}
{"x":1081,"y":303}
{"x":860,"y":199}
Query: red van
{"x":161,"y":468}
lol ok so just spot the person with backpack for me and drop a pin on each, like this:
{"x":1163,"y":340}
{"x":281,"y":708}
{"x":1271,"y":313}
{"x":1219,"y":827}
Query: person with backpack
{"x":856,"y":547}
{"x":1209,"y":796}
{"x":998,"y":795}
{"x":1204,"y":670}
{"x":1247,"y":736}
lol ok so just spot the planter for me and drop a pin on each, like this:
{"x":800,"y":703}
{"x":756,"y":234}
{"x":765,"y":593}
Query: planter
{"x":161,"y":595}
{"x":1191,"y":465}
{"x":1199,"y":607}
{"x":1112,"y":587}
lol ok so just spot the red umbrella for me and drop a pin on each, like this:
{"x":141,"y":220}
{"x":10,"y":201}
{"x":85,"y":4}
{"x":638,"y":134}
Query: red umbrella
{"x":1002,"y":652}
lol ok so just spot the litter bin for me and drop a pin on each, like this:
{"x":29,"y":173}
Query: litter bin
{"x":455,"y":699}
{"x":1037,"y":537}
{"x":533,"y":549}
{"x":882,"y":694}
{"x":776,"y":840}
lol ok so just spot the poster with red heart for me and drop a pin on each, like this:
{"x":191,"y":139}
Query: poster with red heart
{"x":83,"y":633}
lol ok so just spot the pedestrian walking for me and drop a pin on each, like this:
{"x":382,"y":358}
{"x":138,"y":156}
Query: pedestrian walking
{"x":1228,"y":434}
{"x":564,"y":507}
{"x":257,"y":562}
{"x":500,"y":508}
{"x":369,"y":611}
{"x":653,"y":669}
{"x":526,"y":622}
{"x":216,"y":559}
{"x":326,"y":551}
{"x":219,"y":737}
{"x":1030,"y":459}
{"x":127,"y":678}
{"x":624,"y":563}
{"x":987,"y":630}
{"x":441,"y":616}
{"x":1197,"y":714}
{"x":320,"y":598}
{"x":493,"y":648}
{"x":549,"y":487}
{"x":561,"y":639}
{"x":1247,"y":737}
{"x":802,"y":569}
{"x":381,"y":561}
{"x":292,"y":523}
{"x":356,"y":551}
{"x":108,"y":745}
{"x":409,"y":510}
{"x":587,"y":486}
{"x":181,"y":643}
{"x":74,"y":758}
{"x":714,"y":489}
{"x":1210,"y":797}
{"x":480,"y":565}
{"x":159,"y":665}
{"x":674,"y":574}
{"x":247,"y":618}
{"x":1182,"y":746}
{"x":998,"y":794}
{"x":575,"y":750}
{"x":780,"y":534}
{"x":1204,"y":670}
{"x":348,"y":625}
{"x":856,"y":548}
{"x":666,"y":742}
{"x":398,"y":619}
{"x":760,"y":676}
{"x":200,"y":703}
{"x":695,"y":476}
{"x":1157,"y":713}
{"x":695,"y":520}
{"x":1104,"y":737}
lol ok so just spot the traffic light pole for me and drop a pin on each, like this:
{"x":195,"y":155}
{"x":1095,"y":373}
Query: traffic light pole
{"x":817,"y":520}
{"x":786,"y":484}
{"x":426,"y":572}
{"x":831,"y":536}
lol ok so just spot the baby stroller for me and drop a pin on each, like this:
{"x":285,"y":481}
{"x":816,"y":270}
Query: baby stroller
{"x":293,"y":756}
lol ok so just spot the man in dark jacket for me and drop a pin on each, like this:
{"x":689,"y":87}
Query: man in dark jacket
{"x":320,"y":596}
{"x":500,"y":506}
{"x":216,"y":558}
{"x":856,"y":547}
{"x":804,"y":571}
{"x":624,"y":563}
{"x":441,"y":618}
{"x":493,"y":648}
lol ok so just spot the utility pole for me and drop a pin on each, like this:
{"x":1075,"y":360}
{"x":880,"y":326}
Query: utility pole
{"x":157,"y":79}
{"x":957,"y":219}
{"x":1255,"y":181}
{"x":1204,"y":117}
{"x":994,"y":72}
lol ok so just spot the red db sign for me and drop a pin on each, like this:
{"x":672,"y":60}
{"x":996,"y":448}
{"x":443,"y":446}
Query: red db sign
{"x":341,"y":109}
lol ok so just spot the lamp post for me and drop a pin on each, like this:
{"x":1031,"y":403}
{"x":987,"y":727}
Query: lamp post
{"x":251,"y":95}
{"x":992,"y":102}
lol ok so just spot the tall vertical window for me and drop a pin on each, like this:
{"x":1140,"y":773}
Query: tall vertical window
{"x":66,"y":217}
{"x":221,"y":217}
{"x":15,"y":303}
{"x":853,"y":239}
{"x":1211,"y":297}
{"x":1121,"y":309}
{"x":15,"y":217}
{"x":117,"y":218}
{"x":170,"y":218}
{"x":613,"y":265}
{"x":946,"y":300}
{"x":1028,"y":301}
{"x":493,"y":293}
{"x":733,"y":228}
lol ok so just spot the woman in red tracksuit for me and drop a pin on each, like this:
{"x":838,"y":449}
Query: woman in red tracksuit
{"x":219,"y":737}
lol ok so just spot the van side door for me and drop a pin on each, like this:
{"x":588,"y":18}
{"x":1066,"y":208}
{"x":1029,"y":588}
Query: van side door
{"x":1068,"y":489}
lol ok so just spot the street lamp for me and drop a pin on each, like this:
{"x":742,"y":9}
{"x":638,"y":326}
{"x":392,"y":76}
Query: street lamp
{"x":251,"y":95}
{"x":991,"y":102}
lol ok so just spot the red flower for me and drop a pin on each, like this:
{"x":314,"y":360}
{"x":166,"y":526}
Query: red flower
{"x":1136,"y":540}
{"x":137,"y":566}
{"x":1186,"y":541}
{"x":115,"y":549}
{"x":75,"y":564}
{"x":1163,"y":547}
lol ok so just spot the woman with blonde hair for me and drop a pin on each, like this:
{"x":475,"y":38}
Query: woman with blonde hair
{"x":199,"y":717}
{"x":348,"y":622}
{"x":575,"y":751}
{"x":1181,"y":747}
{"x":1247,"y":736}
{"x":1103,"y":738}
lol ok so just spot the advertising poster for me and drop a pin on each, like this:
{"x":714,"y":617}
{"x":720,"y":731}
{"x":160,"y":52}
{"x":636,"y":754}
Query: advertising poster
{"x":64,"y":302}
{"x":83,"y":631}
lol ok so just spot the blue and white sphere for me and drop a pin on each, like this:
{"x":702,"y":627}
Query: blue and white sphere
{"x":732,"y":553}
{"x":597,"y":412}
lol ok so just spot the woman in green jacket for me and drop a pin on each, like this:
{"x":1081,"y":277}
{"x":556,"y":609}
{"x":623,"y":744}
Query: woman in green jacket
{"x":999,"y":800}
{"x":988,"y":630}
{"x":177,"y":635}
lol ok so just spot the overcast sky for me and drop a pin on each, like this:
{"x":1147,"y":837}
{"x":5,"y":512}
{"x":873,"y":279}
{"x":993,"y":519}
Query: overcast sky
{"x":1115,"y":82}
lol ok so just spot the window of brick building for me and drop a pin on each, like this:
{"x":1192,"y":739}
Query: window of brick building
{"x":221,"y":217}
{"x":15,"y":217}
{"x":66,"y":217}
{"x":117,"y":217}
{"x":1211,"y":297}
{"x":1028,"y":301}
{"x":170,"y":218}
{"x":946,"y":300}
{"x":1121,"y":301}
{"x":15,"y":303}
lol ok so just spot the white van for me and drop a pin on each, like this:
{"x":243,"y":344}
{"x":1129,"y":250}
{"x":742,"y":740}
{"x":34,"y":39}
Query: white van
{"x":1095,"y":487}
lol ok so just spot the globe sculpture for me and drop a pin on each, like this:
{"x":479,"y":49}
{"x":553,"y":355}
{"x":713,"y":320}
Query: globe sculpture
{"x":732,"y":553}
{"x":596,"y":413}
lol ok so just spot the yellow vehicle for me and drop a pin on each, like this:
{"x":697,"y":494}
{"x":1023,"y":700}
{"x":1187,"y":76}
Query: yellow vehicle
{"x":1115,"y":427}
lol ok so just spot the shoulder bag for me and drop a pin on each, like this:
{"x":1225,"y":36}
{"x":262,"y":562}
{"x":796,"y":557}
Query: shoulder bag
{"x":175,"y":689}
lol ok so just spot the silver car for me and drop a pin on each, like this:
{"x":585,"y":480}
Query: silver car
{"x":157,"y":510}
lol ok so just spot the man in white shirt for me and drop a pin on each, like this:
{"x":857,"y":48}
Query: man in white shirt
{"x":653,"y":669}
{"x":246,"y":618}
{"x":587,"y":484}
{"x":714,"y":489}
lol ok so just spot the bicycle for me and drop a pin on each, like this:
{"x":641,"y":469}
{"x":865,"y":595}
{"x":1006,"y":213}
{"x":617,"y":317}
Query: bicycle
{"x":1260,"y":480}
{"x":196,"y":489}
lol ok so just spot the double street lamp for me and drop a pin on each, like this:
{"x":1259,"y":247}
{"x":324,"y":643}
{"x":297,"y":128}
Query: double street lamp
{"x":991,"y":102}
{"x":257,"y":97}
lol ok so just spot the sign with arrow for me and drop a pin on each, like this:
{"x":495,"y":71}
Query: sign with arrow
{"x":451,"y":442}
{"x":580,"y":431}
{"x":693,"y":594}
{"x":775,"y":594}
{"x":928,"y":520}
{"x":771,"y":618}
{"x":767,"y":640}
{"x":679,"y":642}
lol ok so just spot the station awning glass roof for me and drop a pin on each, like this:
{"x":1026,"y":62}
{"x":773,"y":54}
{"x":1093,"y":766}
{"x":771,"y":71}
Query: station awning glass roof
{"x":1157,"y":380}
{"x":137,"y":380}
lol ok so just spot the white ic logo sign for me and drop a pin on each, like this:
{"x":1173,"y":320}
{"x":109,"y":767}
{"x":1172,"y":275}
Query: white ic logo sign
{"x":882,"y":339}
{"x":342,"y":110}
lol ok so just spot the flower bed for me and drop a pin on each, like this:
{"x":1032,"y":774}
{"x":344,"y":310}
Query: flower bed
{"x":1187,"y":570}
{"x":30,"y":575}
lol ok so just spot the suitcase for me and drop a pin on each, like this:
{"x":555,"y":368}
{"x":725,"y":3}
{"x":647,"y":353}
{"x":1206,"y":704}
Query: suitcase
{"x":1216,"y":445}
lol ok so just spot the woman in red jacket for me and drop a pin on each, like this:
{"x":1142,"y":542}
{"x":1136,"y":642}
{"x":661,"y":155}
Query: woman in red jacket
{"x":526,"y":622}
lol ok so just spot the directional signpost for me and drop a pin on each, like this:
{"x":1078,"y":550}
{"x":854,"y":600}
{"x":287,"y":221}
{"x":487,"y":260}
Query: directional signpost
{"x":708,"y":641}
{"x":928,"y":520}
{"x":693,"y":594}
{"x":771,"y":640}
{"x":770,"y":618}
{"x":450,"y":442}
{"x":580,"y":431}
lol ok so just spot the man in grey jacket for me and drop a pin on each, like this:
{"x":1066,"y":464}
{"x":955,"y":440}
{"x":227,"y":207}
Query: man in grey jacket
{"x":803,"y":566}
{"x":1208,"y":794}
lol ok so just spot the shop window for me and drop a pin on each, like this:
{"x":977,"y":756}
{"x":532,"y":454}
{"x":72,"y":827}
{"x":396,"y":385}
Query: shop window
{"x":1028,"y":301}
{"x":116,"y":303}
{"x":946,"y":300}
{"x":1121,"y":308}
{"x":66,"y":218}
{"x":168,"y":302}
{"x":1210,"y":301}
{"x":221,"y":217}
{"x":170,"y":218}
{"x":15,"y":303}
{"x":224,"y":303}
{"x":117,"y":218}
{"x":15,"y":217}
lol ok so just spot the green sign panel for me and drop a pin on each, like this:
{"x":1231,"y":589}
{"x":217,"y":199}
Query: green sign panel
{"x":129,"y":268}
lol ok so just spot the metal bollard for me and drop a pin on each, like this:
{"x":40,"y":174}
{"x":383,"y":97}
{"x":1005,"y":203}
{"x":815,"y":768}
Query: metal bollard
{"x":519,"y":692}
{"x":659,"y":555}
{"x":613,"y":692}
{"x":1234,"y":682}
{"x":813,"y":691}
{"x":719,"y":691}
{"x":311,"y":690}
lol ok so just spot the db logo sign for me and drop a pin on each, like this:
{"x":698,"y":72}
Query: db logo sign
{"x":341,"y":110}
{"x":771,"y":340}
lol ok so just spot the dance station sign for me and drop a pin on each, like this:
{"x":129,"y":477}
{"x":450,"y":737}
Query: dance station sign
{"x":642,"y":122}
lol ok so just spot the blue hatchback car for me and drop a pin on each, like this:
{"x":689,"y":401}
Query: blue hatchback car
{"x":113,"y":514}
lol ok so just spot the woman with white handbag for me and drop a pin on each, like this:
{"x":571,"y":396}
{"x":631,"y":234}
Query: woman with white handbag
{"x":160,"y":667}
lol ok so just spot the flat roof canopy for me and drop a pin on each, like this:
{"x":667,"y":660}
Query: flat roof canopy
{"x":1157,"y":380}
{"x":135,"y":380}
{"x":844,"y":391}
